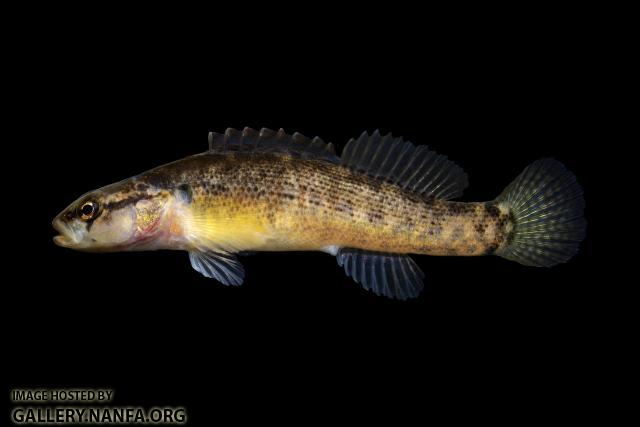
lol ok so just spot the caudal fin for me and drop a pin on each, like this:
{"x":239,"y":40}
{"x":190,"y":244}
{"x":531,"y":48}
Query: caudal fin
{"x":547,"y":211}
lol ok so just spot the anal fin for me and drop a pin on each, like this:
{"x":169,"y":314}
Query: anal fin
{"x":391,"y":275}
{"x":223,"y":267}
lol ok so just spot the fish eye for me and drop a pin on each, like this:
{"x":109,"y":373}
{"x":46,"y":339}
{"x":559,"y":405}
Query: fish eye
{"x":87,"y":210}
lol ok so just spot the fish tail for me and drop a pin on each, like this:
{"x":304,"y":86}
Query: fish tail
{"x":546,"y":207}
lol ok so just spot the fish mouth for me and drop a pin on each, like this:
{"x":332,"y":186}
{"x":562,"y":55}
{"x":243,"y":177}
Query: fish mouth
{"x":64,"y":239}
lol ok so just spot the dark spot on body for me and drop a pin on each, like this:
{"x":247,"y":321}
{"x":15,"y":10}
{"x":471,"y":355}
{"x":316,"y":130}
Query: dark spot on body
{"x":457,"y":209}
{"x":374,"y":217}
{"x":457,"y":233}
{"x":491,"y":249}
{"x":492,"y":211}
{"x":186,"y":193}
{"x":435,"y":230}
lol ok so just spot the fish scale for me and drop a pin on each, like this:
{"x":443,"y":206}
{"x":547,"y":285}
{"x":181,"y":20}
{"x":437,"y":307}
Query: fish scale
{"x":383,"y":200}
{"x":336,"y":208}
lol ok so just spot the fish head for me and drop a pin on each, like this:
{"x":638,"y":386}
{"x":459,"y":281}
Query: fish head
{"x":120,"y":217}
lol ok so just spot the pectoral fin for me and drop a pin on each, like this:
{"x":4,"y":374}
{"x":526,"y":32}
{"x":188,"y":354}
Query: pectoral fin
{"x":223,"y":267}
{"x":390,"y":275}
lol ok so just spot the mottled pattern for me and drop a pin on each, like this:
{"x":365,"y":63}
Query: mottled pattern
{"x":273,"y":202}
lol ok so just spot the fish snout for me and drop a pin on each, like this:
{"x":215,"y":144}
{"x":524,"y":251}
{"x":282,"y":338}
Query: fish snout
{"x":66,"y":237}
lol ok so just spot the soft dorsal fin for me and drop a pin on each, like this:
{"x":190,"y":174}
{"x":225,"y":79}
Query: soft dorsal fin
{"x":267,"y":140}
{"x":415,"y":169}
{"x":390,"y":275}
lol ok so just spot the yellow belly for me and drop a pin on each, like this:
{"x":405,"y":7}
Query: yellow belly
{"x":237,"y":224}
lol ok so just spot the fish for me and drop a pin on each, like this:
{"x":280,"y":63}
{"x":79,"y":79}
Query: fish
{"x":372,"y":207}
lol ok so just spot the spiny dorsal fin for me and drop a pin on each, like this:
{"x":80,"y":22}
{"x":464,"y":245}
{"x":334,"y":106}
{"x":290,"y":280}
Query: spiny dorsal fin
{"x":269,"y":141}
{"x":390,"y":275}
{"x":415,"y":169}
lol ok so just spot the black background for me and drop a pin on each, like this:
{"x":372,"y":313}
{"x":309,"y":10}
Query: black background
{"x":299,"y":336}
